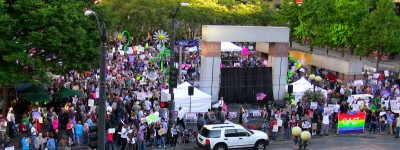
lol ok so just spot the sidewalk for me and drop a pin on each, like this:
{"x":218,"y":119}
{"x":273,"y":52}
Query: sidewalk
{"x":388,"y":64}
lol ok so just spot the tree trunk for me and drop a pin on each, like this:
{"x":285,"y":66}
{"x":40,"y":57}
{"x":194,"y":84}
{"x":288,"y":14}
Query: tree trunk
{"x":327,"y":49}
{"x":342,"y":51}
{"x":5,"y":100}
{"x":378,"y":59}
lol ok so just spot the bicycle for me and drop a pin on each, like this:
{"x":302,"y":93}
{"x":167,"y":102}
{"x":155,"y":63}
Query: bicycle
{"x":187,"y":137}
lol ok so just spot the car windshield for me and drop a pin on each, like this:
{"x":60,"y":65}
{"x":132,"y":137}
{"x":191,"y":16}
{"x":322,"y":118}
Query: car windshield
{"x":210,"y":133}
{"x":249,"y":131}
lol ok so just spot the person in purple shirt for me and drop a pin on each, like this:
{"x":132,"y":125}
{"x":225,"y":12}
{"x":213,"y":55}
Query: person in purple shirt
{"x":142,"y":131}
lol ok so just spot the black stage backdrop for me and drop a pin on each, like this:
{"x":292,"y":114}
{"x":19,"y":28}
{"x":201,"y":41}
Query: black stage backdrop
{"x":240,"y":85}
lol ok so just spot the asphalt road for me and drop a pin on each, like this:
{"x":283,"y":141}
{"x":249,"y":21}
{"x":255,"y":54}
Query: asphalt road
{"x":340,"y":142}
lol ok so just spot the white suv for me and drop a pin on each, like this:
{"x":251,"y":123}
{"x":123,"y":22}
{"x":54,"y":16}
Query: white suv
{"x":230,"y":136}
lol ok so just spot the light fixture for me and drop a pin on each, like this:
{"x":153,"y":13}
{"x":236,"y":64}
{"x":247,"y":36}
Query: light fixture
{"x":311,"y":76}
{"x":305,"y":136}
{"x":184,"y":4}
{"x":89,"y":12}
{"x":318,"y":79}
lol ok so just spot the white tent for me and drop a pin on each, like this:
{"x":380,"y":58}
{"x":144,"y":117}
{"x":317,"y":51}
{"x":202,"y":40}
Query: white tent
{"x":230,"y":47}
{"x":299,"y":87}
{"x":201,"y":101}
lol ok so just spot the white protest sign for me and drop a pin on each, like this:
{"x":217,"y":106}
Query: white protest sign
{"x":191,"y":117}
{"x":350,"y":100}
{"x":375,"y":76}
{"x":328,"y":110}
{"x":129,"y":51}
{"x":386,"y":72}
{"x":314,"y":105}
{"x":111,"y":130}
{"x":233,"y":114}
{"x":306,"y":124}
{"x":358,"y":82}
{"x":395,"y":106}
{"x":256,"y":113}
{"x":74,"y":100}
{"x":356,"y":107}
{"x":97,"y":93}
{"x":91,"y":102}
{"x":279,"y":122}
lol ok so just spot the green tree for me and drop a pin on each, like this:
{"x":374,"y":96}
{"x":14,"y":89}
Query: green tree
{"x":379,"y":32}
{"x":45,"y":35}
{"x":289,"y":14}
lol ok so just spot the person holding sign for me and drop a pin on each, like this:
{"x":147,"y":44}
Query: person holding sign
{"x":325,"y":124}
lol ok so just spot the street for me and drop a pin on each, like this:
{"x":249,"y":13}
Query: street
{"x":336,"y":142}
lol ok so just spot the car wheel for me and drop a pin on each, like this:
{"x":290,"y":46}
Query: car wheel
{"x":260,"y":145}
{"x":220,"y":147}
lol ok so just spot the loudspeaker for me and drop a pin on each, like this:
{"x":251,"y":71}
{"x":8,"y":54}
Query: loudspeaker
{"x":190,"y":90}
{"x":290,"y":89}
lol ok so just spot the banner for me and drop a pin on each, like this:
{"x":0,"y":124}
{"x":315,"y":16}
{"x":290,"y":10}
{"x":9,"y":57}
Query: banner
{"x":351,"y":123}
{"x":187,"y":43}
{"x":152,"y":118}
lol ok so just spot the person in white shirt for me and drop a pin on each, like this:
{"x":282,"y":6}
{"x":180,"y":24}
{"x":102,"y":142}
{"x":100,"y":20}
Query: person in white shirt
{"x":33,"y":135}
{"x":147,"y":104}
{"x":124,"y":136}
{"x":221,"y":103}
{"x":325,"y":124}
{"x":179,"y":119}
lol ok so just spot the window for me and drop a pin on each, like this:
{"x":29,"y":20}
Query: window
{"x":214,"y":134}
{"x":210,"y":133}
{"x":242,"y":132}
{"x":230,"y":133}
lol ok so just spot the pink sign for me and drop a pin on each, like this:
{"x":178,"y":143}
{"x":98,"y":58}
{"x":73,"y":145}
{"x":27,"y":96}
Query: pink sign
{"x":245,"y":51}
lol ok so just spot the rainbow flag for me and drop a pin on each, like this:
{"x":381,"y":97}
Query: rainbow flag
{"x":351,"y":123}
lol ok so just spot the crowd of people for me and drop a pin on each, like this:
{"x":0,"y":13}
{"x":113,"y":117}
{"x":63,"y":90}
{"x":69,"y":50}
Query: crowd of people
{"x":379,"y":116}
{"x":134,"y":82}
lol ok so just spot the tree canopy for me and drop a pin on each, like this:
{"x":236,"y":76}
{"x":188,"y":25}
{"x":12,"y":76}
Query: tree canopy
{"x":142,"y":16}
{"x":367,"y":25}
{"x":37,"y":36}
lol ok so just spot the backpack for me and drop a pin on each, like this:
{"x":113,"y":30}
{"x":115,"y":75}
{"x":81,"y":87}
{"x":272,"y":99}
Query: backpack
{"x":265,"y":126}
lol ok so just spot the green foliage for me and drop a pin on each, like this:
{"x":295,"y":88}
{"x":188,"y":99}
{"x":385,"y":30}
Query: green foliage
{"x":61,"y":36}
{"x":145,"y":16}
{"x":370,"y":25}
{"x":380,"y":30}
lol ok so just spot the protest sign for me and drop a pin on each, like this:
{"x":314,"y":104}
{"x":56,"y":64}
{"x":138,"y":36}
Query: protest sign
{"x":97,"y":92}
{"x":35,"y":114}
{"x":351,"y":123}
{"x":191,"y":117}
{"x":74,"y":100}
{"x":358,"y":83}
{"x":395,"y":106}
{"x":256,"y":113}
{"x":328,"y":110}
{"x":91,"y":102}
{"x":355,"y":107}
{"x":375,"y":75}
{"x":279,"y":122}
{"x":111,"y":130}
{"x":350,"y":100}
{"x":306,"y":124}
{"x":233,"y":114}
{"x":314,"y":105}
{"x":152,"y":118}
{"x":9,"y":148}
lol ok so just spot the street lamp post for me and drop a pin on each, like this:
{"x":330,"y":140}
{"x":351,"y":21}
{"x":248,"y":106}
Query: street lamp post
{"x":301,"y":137}
{"x":101,"y":111}
{"x":172,"y":61}
{"x":315,"y":81}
